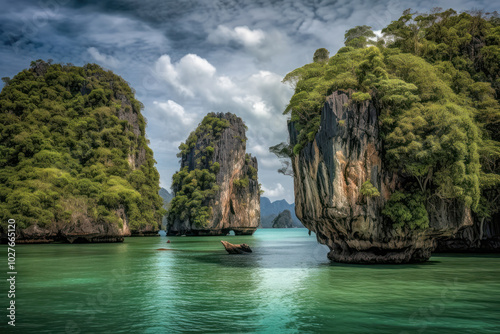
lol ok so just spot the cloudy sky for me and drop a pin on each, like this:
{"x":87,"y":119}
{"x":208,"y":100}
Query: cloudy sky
{"x":186,"y":58}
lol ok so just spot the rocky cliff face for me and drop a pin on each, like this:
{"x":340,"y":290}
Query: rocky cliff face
{"x":135,"y":160}
{"x":236,"y":203}
{"x":284,"y":220}
{"x":328,"y":175}
{"x":81,"y":229}
{"x":482,"y":237}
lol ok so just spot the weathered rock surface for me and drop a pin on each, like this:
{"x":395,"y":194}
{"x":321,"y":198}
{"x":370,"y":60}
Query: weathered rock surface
{"x":482,"y":237}
{"x":236,"y":249}
{"x":234,"y":207}
{"x":328,"y":174}
{"x":284,"y":220}
{"x":80,"y":229}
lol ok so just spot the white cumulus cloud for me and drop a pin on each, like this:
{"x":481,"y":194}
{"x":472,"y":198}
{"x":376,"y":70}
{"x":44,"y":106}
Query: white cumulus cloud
{"x":193,"y":76}
{"x":277,"y":192}
{"x":242,"y":35}
{"x":263,"y":45}
{"x":174,"y":112}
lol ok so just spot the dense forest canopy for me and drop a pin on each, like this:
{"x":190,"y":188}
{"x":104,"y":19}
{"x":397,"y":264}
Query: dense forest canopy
{"x":64,"y":150}
{"x":436,"y":82}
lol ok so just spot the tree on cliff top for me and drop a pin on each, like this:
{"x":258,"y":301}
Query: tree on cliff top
{"x":64,"y":151}
{"x":321,"y":55}
{"x":358,"y":37}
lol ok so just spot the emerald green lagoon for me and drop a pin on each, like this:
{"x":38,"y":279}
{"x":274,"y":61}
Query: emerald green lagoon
{"x":287,"y":285}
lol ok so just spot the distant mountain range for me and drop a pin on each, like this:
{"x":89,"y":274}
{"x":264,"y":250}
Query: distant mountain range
{"x":270,"y":210}
{"x":167,"y":198}
{"x":166,"y":195}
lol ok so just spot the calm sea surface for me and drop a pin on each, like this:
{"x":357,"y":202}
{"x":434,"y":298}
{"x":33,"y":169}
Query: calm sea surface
{"x":286,"y":285}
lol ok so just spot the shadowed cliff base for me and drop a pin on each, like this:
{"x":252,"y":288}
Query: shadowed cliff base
{"x":482,"y":237}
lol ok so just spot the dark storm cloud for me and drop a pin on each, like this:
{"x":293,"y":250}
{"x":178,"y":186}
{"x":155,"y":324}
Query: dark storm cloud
{"x":186,"y":58}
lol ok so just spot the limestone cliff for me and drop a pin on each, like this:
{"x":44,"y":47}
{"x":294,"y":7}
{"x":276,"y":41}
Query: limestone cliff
{"x":223,"y":181}
{"x":328,"y":175}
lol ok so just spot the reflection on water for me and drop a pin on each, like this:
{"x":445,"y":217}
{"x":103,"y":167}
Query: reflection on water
{"x":285,"y":286}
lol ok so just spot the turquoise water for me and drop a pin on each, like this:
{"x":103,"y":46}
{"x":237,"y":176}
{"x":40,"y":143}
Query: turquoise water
{"x":285,"y":286}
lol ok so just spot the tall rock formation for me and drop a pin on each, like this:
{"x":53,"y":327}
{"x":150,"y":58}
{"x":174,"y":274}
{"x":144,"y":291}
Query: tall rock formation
{"x":329,"y":173}
{"x":283,"y":220}
{"x":75,"y":163}
{"x":216,"y":190}
{"x":270,"y":210}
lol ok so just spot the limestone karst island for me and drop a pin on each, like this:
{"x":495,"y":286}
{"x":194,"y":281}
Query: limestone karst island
{"x":220,"y":167}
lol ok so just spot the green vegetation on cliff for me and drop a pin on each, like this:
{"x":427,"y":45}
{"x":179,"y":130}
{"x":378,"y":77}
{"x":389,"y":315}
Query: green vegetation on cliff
{"x":72,"y":144}
{"x":369,"y":190}
{"x":436,"y":83}
{"x":194,"y":188}
{"x":213,"y":147}
{"x":208,"y":131}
